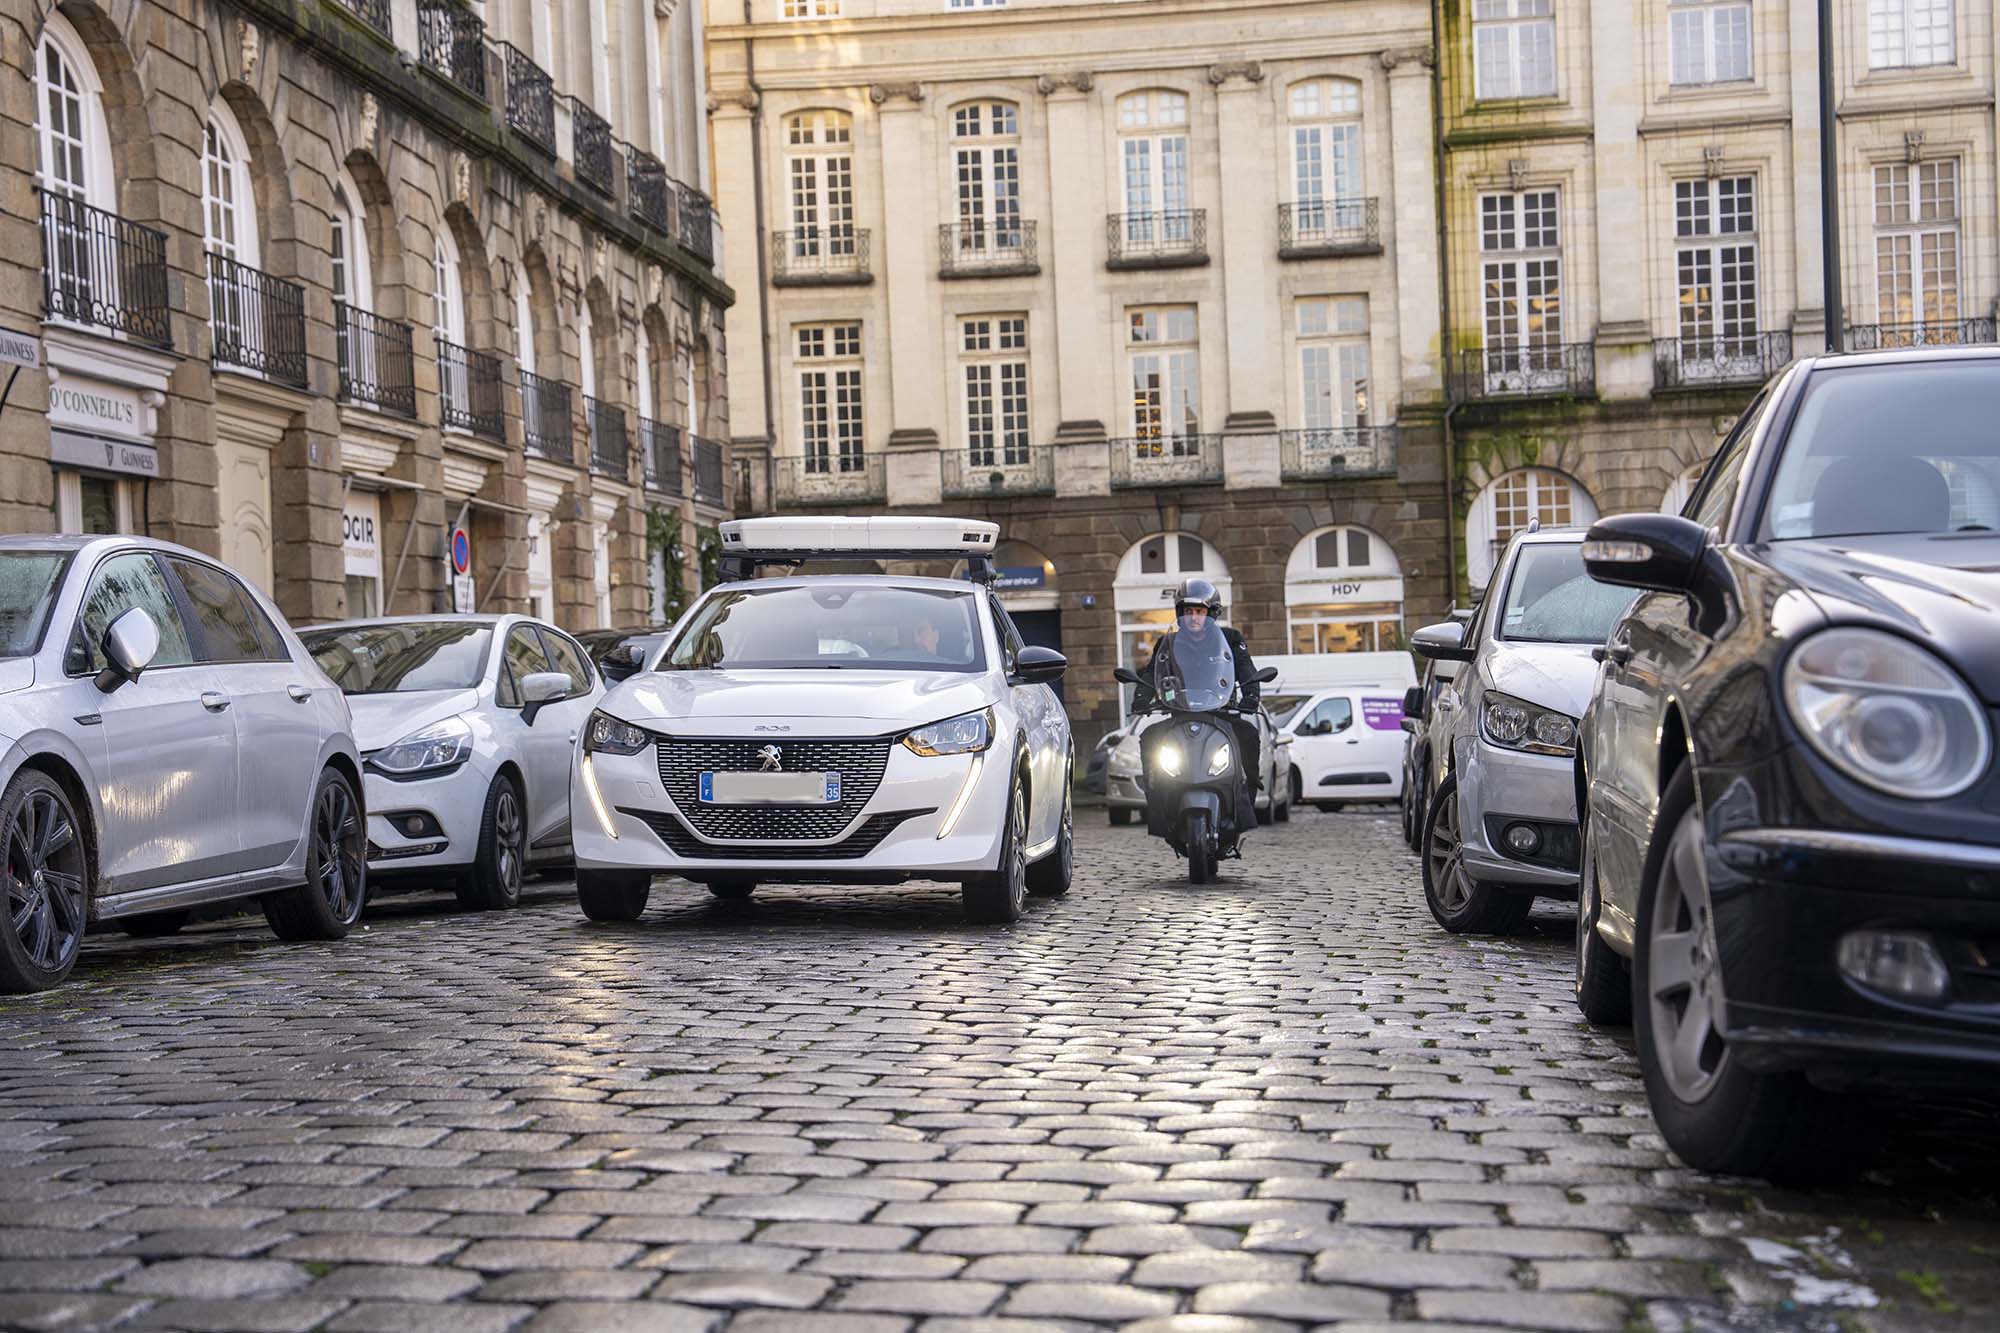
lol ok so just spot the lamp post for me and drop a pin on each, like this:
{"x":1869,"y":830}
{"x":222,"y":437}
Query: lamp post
{"x":1829,"y":185}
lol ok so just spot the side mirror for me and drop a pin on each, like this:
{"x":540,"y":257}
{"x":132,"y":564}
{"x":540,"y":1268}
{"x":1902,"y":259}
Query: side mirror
{"x":1413,"y":703}
{"x":130,"y":643}
{"x":1266,"y":676}
{"x":1441,"y":643}
{"x":1039,"y":666}
{"x":1408,"y":724}
{"x":539,"y":688}
{"x":1125,"y":674}
{"x":1657,"y":552}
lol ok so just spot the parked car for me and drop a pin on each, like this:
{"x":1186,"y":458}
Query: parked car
{"x":1096,"y":772}
{"x":1125,"y":797}
{"x":1793,"y":821}
{"x":834,"y":728}
{"x":1419,"y":746}
{"x":466,"y":726}
{"x":621,"y":653}
{"x":1502,"y":826}
{"x":166,"y":743}
{"x":1342,"y":714}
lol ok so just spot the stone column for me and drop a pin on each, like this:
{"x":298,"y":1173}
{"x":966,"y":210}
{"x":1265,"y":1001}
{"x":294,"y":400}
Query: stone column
{"x":1414,"y":233}
{"x":1809,"y":321}
{"x":1624,"y":335}
{"x":1075,"y":253}
{"x":906,"y":250}
{"x":1249,"y":241}
{"x":733,"y":123}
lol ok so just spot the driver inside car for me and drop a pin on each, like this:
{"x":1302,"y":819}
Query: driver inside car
{"x":1197,"y":608}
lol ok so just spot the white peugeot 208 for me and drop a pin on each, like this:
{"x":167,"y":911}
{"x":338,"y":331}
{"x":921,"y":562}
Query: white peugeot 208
{"x":833,"y":728}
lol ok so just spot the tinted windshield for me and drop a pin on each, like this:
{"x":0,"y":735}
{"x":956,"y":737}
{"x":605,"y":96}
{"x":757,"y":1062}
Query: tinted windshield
{"x":834,"y":625}
{"x":402,"y":659}
{"x":1909,"y":448}
{"x":1551,"y":600}
{"x":28,"y":584}
{"x":1199,"y":671}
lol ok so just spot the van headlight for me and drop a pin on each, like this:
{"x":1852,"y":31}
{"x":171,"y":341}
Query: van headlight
{"x":435,"y":749}
{"x":1887,"y":713}
{"x":968,"y":733}
{"x":1516,"y":724}
{"x":609,"y":735}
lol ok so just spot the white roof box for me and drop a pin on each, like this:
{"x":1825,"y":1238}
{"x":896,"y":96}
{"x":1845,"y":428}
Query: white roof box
{"x":954,"y":536}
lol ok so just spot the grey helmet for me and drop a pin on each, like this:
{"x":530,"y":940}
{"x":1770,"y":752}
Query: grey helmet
{"x":1198,"y":592}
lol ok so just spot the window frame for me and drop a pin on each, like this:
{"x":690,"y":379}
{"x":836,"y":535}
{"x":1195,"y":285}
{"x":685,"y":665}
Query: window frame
{"x":1327,"y":125}
{"x":448,"y":294}
{"x":1707,"y":13}
{"x":819,"y":194}
{"x":841,"y":373}
{"x":996,"y":359}
{"x":989,"y":161}
{"x":1332,"y":341}
{"x":1164,"y":129}
{"x":92,"y":143}
{"x":1519,"y":257}
{"x":1914,"y":229}
{"x":225,"y":160}
{"x":1512,"y":26}
{"x":1905,"y":16}
{"x":1167,"y":349}
{"x":1713,"y":246}
{"x":198,"y":639}
{"x":807,"y":11}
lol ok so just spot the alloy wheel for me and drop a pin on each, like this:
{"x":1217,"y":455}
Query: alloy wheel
{"x":1446,"y":852}
{"x":507,"y":837}
{"x":336,"y":854}
{"x":1684,"y":972}
{"x":1586,"y":903}
{"x":43,"y":860}
{"x":1017,"y":851}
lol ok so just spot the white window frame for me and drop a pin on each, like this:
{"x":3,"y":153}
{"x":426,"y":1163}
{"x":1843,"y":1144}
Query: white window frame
{"x":1328,"y":177}
{"x":1715,"y":260}
{"x":1163,"y":370}
{"x":993,"y":389}
{"x":1333,"y":363}
{"x":819,"y":183}
{"x":1521,"y":281}
{"x":831,"y":408}
{"x":1701,"y":42}
{"x":1908,"y":34}
{"x":69,"y":500}
{"x":228,"y":206}
{"x":807,"y":10}
{"x":91,"y":146}
{"x":1506,"y":36}
{"x":350,"y":226}
{"x":586,"y":352}
{"x":1155,"y":166}
{"x":447,"y":292}
{"x":986,"y":174}
{"x":1930,"y":238}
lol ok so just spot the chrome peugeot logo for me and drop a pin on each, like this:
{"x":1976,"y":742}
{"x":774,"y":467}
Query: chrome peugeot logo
{"x":773,"y":758}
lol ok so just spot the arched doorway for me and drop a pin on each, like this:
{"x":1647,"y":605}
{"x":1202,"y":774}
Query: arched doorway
{"x":1026,"y":585}
{"x":1343,"y":593}
{"x":1149,"y":574}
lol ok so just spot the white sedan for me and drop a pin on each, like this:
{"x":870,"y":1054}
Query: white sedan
{"x":833,"y":729}
{"x":466,"y":726}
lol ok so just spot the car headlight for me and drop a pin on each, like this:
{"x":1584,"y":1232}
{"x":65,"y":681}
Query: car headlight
{"x":1219,"y":761}
{"x":968,"y":733}
{"x":439,"y":746}
{"x":1516,"y":724}
{"x":1887,"y":713}
{"x":609,"y":735}
{"x":1170,"y":759}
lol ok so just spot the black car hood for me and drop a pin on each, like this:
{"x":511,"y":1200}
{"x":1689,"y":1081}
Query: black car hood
{"x":1943,"y":590}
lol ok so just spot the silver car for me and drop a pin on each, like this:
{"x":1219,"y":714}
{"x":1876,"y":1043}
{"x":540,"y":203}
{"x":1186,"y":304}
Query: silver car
{"x":166,"y":742}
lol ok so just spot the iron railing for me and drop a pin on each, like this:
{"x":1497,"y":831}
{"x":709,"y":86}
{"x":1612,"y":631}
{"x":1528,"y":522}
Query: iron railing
{"x":708,"y":483}
{"x":377,"y":363}
{"x":610,"y":442}
{"x":469,"y":388}
{"x":375,"y":13}
{"x":1524,"y":370}
{"x":1930,"y":333}
{"x":1336,"y":452}
{"x":646,"y":186}
{"x":259,"y":321}
{"x":451,"y":41}
{"x":1156,"y":240}
{"x":97,"y":268}
{"x":829,"y":479}
{"x":1314,"y":228}
{"x":1719,"y":358}
{"x":590,"y":147}
{"x":660,"y":452}
{"x":986,"y":249}
{"x":968,"y":474}
{"x":697,"y":228}
{"x":546,"y":429}
{"x":531,"y":99}
{"x":819,"y":257}
{"x":1166,"y":460}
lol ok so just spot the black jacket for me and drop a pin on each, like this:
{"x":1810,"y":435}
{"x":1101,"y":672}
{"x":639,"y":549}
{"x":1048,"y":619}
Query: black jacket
{"x":1248,"y":690}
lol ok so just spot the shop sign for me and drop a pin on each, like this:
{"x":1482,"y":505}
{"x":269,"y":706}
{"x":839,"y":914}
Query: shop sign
{"x":98,"y":409}
{"x":68,"y":449}
{"x":1014,"y":578}
{"x":20,"y":349}
{"x":360,"y":535}
{"x":463,"y":596}
{"x":1341,"y":592}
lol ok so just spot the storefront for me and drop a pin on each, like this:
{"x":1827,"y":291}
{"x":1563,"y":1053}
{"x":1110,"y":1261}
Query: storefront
{"x":1149,"y":579}
{"x":361,"y":550}
{"x":101,"y":449}
{"x":1343,"y":593}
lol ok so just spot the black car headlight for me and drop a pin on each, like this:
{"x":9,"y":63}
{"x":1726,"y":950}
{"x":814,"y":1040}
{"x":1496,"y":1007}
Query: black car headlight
{"x":608,"y":735}
{"x":968,"y":733}
{"x":1516,"y":724}
{"x":1887,"y":713}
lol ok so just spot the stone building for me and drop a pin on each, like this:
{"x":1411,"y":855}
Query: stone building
{"x":321,"y":281}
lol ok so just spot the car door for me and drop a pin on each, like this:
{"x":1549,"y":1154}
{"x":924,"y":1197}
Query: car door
{"x":1319,"y":738}
{"x":1035,"y":704}
{"x":541,"y":749}
{"x":1374,"y":743}
{"x":566,"y":717}
{"x":165,"y":744}
{"x":278,"y":728}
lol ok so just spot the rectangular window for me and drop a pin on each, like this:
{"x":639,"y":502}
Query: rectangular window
{"x":1513,"y":49}
{"x":1909,"y":33}
{"x":1333,"y":362}
{"x":1521,"y":276}
{"x":810,"y":9}
{"x":829,"y":357}
{"x":1709,"y":41}
{"x":1715,"y":271}
{"x":1166,"y":380}
{"x":993,"y":351}
{"x":1916,"y":252}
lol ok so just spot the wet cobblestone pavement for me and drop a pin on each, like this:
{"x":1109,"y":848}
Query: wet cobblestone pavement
{"x":1284,"y":1101}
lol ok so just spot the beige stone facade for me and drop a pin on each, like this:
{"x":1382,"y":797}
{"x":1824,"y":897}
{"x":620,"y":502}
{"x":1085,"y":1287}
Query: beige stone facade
{"x":290,"y":259}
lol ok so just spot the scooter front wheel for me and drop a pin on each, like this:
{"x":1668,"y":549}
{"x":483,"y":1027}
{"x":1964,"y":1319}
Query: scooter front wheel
{"x":1201,"y":850}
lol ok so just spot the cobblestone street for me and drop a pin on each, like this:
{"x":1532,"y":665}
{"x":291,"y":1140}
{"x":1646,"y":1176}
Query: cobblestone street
{"x":1287,"y":1100}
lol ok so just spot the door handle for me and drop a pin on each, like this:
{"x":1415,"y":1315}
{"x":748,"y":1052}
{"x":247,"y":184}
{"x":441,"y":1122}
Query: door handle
{"x":299,"y":693}
{"x":214,"y":702}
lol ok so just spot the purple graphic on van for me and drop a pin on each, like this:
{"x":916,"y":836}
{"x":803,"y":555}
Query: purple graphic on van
{"x":1382,"y":714}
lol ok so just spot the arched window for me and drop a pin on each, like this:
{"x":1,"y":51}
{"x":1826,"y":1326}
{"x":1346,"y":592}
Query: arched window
{"x":586,"y":352}
{"x":644,"y":386}
{"x":1149,"y":574}
{"x":69,"y":105}
{"x":819,"y":180}
{"x":1343,"y":593}
{"x":1153,"y":162}
{"x":986,"y":164}
{"x":228,"y":207}
{"x":353,"y":265}
{"x":449,"y":307}
{"x":1513,"y":501}
{"x":1327,"y":183}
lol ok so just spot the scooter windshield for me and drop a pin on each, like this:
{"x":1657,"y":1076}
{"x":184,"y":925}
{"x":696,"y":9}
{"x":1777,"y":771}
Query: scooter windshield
{"x":1203,"y":668}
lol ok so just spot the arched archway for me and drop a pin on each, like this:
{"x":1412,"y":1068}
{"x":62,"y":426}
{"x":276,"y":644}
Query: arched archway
{"x":1343,"y":592}
{"x":1149,"y":575}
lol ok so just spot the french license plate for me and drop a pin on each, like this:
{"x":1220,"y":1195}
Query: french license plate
{"x":770,"y":788}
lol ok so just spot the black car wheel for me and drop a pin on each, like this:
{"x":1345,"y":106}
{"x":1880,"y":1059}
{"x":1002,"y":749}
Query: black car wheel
{"x":1603,"y":987}
{"x":328,"y":904}
{"x":1460,"y":903}
{"x":997,"y":898}
{"x":613,"y":895}
{"x":44,"y":883}
{"x":502,"y":858}
{"x":1050,"y":877}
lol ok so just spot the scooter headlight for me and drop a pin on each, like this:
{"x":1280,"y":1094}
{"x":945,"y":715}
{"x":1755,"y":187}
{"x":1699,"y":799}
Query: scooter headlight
{"x":1171,"y":759}
{"x":1218,"y":763}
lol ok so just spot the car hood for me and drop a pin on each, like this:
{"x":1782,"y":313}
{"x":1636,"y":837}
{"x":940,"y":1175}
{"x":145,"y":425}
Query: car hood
{"x":796,"y":703}
{"x":1942,"y":590}
{"x":1552,"y":675}
{"x":382,"y":719}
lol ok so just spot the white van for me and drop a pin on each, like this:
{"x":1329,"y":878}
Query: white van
{"x":1344,"y":714}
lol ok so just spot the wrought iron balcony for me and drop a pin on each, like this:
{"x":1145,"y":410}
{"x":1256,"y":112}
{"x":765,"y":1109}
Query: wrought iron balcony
{"x":708,"y":484}
{"x":97,"y":268}
{"x":1930,"y":333}
{"x":1156,"y":240}
{"x":1166,"y":460}
{"x":1525,"y":370}
{"x":451,"y":42}
{"x":1319,"y":228}
{"x":610,"y":442}
{"x":830,"y":479}
{"x":697,"y":230}
{"x":1337,"y":452}
{"x":1723,"y":358}
{"x":546,"y":429}
{"x":968,"y":474}
{"x":259,"y":321}
{"x":377,"y":365}
{"x":647,"y":188}
{"x":660,"y":452}
{"x":590,"y":148}
{"x":987,"y":250}
{"x":375,"y":13}
{"x":469,"y":388}
{"x":820,"y":257}
{"x":531,"y":99}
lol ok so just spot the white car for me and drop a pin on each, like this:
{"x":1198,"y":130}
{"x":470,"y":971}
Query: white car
{"x":166,"y":742}
{"x":1343,"y":713}
{"x":466,"y":726}
{"x":833,"y":729}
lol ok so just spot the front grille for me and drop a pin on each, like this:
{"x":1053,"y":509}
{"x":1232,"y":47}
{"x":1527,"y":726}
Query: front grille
{"x":865,"y":839}
{"x":859,"y":763}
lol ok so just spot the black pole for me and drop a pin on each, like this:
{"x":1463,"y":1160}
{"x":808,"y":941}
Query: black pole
{"x":1829,"y":184}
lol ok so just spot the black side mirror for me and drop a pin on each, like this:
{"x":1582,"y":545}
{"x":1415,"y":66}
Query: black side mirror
{"x":1442,"y":643}
{"x":1125,"y":674}
{"x":1413,"y":702}
{"x":1657,"y":552}
{"x":1039,"y":666}
{"x":1266,"y":676}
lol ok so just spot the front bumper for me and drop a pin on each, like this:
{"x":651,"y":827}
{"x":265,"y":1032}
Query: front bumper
{"x":1497,"y":787}
{"x":452,"y":805}
{"x":1122,"y":791}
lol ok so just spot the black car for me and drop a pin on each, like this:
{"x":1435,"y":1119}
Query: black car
{"x":620,"y":653}
{"x":1792,"y":813}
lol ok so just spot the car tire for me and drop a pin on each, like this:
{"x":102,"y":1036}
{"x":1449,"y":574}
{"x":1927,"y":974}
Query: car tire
{"x":1458,"y":902}
{"x":1119,"y":815}
{"x":995,"y":898}
{"x":1603,"y":986}
{"x":613,"y":895}
{"x":732,"y":890}
{"x":1201,"y":861}
{"x":1050,"y":877}
{"x":1329,"y":807}
{"x":154,"y":925}
{"x":328,"y":904}
{"x":1714,"y":1113}
{"x":44,"y":883}
{"x":501,"y":862}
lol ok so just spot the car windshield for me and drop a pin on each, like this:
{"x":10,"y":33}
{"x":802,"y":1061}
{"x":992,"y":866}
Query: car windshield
{"x":28,"y":584}
{"x":402,"y":659}
{"x":831,"y":626}
{"x":1198,"y":672}
{"x":1551,"y":600}
{"x":1283,"y":706}
{"x":1892,"y":448}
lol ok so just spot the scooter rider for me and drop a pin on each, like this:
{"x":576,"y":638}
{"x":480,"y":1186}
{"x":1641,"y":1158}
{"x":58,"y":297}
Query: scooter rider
{"x":1197,"y":606}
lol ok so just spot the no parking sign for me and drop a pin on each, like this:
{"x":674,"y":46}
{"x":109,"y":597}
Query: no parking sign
{"x":461,"y":570}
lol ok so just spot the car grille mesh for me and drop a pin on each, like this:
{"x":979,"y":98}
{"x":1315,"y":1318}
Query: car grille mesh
{"x":859,"y":762}
{"x":864,"y":840}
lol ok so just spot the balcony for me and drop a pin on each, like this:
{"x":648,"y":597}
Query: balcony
{"x":660,"y":453}
{"x":968,"y":475}
{"x":836,"y":257}
{"x":590,"y":148}
{"x":610,"y":443}
{"x":451,"y":43}
{"x":987,"y":250}
{"x":1156,"y":240}
{"x":259,"y":321}
{"x":647,"y":188}
{"x":545,"y":419}
{"x":469,"y":391}
{"x":1718,"y":359}
{"x":697,"y":230}
{"x":1337,"y":453}
{"x":377,"y":365}
{"x":1525,"y":370}
{"x":1166,"y":460}
{"x":1931,"y":333}
{"x":531,"y":99}
{"x":1322,"y":229}
{"x":826,"y":480}
{"x":375,"y":13}
{"x":99,"y":269}
{"x":708,"y":486}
